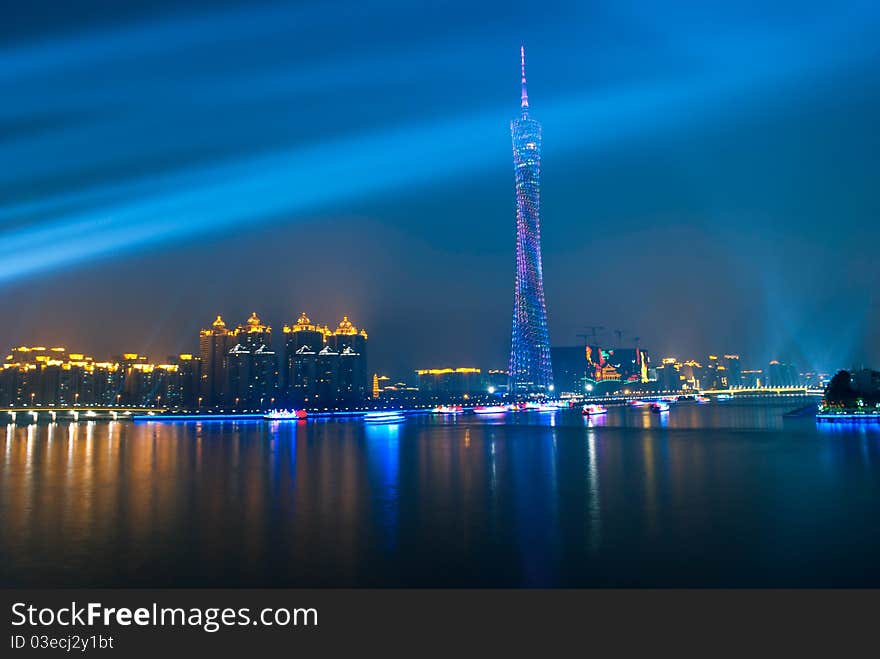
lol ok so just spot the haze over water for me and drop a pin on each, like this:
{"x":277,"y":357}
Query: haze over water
{"x":716,"y":495}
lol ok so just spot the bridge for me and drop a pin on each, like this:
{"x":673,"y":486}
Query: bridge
{"x":764,"y":391}
{"x":736,"y":392}
{"x":72,"y":414}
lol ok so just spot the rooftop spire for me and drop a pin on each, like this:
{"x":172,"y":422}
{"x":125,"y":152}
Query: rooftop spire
{"x":525,"y":94}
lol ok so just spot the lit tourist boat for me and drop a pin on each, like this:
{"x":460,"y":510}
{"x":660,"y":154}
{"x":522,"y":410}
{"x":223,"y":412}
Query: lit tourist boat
{"x":702,"y":399}
{"x":593,"y":410}
{"x":490,"y":409}
{"x":447,"y":409}
{"x":285,"y":415}
{"x":659,"y":406}
{"x":857,"y":417}
{"x":831,"y":413}
{"x":390,"y":416}
{"x":539,"y":407}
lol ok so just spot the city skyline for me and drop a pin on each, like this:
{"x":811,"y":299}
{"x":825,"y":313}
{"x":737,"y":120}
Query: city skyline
{"x":240,"y":371}
{"x":254,"y":321}
{"x":239,"y":365}
{"x":376,"y":179}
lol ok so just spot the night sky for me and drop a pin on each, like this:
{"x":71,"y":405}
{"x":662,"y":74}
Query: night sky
{"x":710,"y":174}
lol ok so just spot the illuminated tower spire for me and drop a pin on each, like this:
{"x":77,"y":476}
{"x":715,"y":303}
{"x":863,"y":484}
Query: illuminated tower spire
{"x":529,"y":366}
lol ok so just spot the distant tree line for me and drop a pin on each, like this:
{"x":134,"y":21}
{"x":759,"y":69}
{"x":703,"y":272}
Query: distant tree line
{"x":847,"y":389}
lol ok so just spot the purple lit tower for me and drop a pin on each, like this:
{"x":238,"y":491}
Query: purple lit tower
{"x":530,"y":369}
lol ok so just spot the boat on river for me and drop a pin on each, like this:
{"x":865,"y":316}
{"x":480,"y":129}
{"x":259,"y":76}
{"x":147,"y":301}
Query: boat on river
{"x":490,"y":409}
{"x":285,"y":415}
{"x":389,"y":416}
{"x":659,"y":406}
{"x":594,"y":410}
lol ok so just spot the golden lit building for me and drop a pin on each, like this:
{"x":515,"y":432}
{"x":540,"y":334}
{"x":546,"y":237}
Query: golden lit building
{"x":214,"y":346}
{"x":324,"y":367}
{"x":252,"y":367}
{"x":351,"y":345}
{"x":51,"y":377}
{"x":449,"y":381}
{"x":299,"y":368}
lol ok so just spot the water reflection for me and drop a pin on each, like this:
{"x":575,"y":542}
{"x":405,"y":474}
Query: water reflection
{"x":650,"y":482}
{"x":383,"y":456}
{"x":594,"y":505}
{"x":850,"y":429}
{"x":534,"y":500}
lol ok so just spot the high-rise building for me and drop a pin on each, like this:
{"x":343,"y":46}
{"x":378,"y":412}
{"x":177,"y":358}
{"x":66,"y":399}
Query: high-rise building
{"x":299,"y":368}
{"x":569,"y":369}
{"x":137,"y":375}
{"x":238,"y":376}
{"x":714,"y":374}
{"x":497,"y":380}
{"x":183,"y":386}
{"x":450,"y":382}
{"x":753,"y":377}
{"x":782,"y":374}
{"x":264,"y":376}
{"x":351,"y":345}
{"x":668,"y":376}
{"x":163,"y":389}
{"x":530,"y":365}
{"x":252,"y":366}
{"x":327,"y":384}
{"x":214,"y":346}
{"x":253,"y":333}
{"x":693,"y":373}
{"x":734,"y":370}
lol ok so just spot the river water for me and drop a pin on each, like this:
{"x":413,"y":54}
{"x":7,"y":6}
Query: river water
{"x":722,"y":494}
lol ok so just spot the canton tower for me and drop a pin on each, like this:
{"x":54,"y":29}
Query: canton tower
{"x":530,"y":369}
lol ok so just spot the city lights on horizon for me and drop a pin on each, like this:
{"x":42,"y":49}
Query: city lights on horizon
{"x":530,"y":368}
